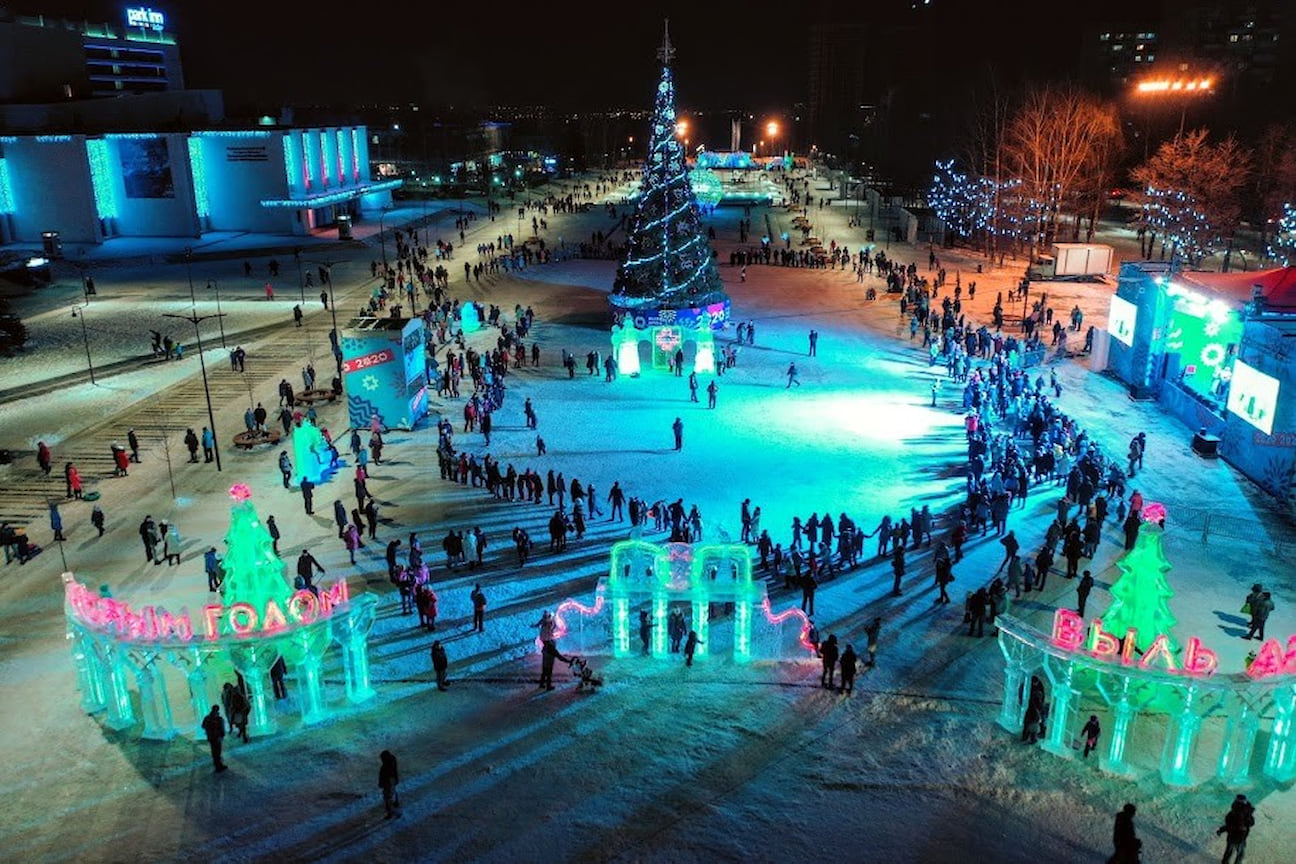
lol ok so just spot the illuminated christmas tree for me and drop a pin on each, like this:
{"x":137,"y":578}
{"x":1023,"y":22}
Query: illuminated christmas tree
{"x":1141,"y":596}
{"x":254,"y":574}
{"x":668,"y":262}
{"x":1283,"y":247}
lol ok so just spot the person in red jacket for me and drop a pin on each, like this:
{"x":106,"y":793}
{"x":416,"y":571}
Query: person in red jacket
{"x":73,"y":480}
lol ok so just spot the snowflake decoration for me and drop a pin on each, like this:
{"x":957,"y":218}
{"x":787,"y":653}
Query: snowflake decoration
{"x":667,"y":316}
{"x":1212,"y":328}
{"x":370,"y":383}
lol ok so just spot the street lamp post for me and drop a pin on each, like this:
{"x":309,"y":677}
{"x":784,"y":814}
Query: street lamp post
{"x":220,"y":317}
{"x":85,"y":338}
{"x":382,"y":238}
{"x":197,"y":319}
{"x":301,"y":276}
{"x":334,"y":346}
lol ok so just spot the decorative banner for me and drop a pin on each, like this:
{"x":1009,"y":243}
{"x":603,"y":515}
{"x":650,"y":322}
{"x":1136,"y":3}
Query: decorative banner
{"x":377,"y":358}
{"x":713,"y":316}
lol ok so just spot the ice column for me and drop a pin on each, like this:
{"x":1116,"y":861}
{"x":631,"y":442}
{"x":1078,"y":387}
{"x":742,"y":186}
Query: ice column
{"x":1123,"y":713}
{"x":1176,"y":758}
{"x":701,"y":617}
{"x":659,"y":647}
{"x":197,"y":680}
{"x":1280,"y":759}
{"x":742,"y":629}
{"x":253,"y":662}
{"x":1060,"y":714}
{"x":1012,"y":711}
{"x":121,"y":711}
{"x":312,"y":690}
{"x":353,"y":635}
{"x":154,"y":703}
{"x":621,"y":627}
{"x":1239,"y":743}
{"x":89,"y":673}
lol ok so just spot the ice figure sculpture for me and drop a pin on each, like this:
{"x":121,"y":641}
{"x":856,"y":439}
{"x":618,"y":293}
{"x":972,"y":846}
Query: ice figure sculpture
{"x":312,"y":457}
{"x":469,"y":321}
{"x":259,"y":619}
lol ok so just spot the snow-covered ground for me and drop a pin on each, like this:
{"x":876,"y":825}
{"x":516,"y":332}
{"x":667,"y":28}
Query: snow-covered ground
{"x":717,"y":762}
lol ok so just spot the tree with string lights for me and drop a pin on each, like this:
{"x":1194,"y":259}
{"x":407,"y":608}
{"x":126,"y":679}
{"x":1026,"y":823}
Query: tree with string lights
{"x":668,"y":261}
{"x":1283,"y":246}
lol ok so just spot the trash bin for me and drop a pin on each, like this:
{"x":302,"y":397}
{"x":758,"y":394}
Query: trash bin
{"x":52,"y":244}
{"x":344,"y":227}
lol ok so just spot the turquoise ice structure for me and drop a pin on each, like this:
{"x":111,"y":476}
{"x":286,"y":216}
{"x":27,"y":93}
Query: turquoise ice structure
{"x":182,"y":657}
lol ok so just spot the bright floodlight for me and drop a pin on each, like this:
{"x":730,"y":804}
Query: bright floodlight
{"x":771,"y":129}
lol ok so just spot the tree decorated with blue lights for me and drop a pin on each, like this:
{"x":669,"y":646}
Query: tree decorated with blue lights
{"x":1283,"y":246}
{"x":1192,"y":192}
{"x":964,"y":202}
{"x":668,"y":260}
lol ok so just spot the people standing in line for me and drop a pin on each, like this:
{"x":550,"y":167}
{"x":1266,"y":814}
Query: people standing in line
{"x":1237,"y":825}
{"x":440,"y":663}
{"x":479,"y":609}
{"x":828,"y":653}
{"x":388,"y":779}
{"x":214,"y":728}
{"x":848,"y":664}
{"x":1082,"y":592}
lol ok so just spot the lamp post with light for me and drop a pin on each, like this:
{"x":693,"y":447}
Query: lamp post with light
{"x":85,"y":337}
{"x":1184,"y":89}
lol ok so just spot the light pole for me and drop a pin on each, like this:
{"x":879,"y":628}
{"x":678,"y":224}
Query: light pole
{"x":381,"y":238}
{"x":1183,"y":88}
{"x":220,"y":316}
{"x":85,"y":337}
{"x":334,"y":346}
{"x":301,"y":277}
{"x":197,"y":319}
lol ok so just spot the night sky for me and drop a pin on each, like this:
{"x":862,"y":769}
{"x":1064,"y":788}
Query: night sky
{"x":567,"y":54}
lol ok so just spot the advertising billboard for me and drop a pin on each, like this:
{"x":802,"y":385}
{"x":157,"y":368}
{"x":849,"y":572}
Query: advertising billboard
{"x":1120,"y":323}
{"x":1253,"y":396}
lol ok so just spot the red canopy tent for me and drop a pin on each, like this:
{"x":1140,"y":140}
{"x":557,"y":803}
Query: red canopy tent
{"x":1277,"y":286}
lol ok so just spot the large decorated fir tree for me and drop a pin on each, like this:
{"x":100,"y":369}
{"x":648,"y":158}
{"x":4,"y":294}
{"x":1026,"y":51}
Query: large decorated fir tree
{"x":668,"y":261}
{"x":254,"y":574}
{"x":1141,"y":596}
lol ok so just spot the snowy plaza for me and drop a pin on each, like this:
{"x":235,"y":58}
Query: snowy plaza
{"x":739,"y":756}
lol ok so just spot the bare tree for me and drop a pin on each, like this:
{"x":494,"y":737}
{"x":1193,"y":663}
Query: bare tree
{"x":1275,"y":174}
{"x":1193,"y":192}
{"x":1052,"y":144}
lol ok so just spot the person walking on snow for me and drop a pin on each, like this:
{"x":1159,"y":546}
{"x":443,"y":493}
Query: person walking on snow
{"x":792,"y":376}
{"x":690,"y":646}
{"x":1237,"y":825}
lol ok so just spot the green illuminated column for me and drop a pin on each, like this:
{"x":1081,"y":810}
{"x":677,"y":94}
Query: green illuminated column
{"x":701,"y":619}
{"x":1239,"y":743}
{"x":310,"y":681}
{"x":660,"y":604}
{"x":1062,"y":713}
{"x":1181,"y":737}
{"x":621,"y":626}
{"x":253,"y":661}
{"x":1280,"y":758}
{"x":304,"y":650}
{"x":1123,"y":714}
{"x":353,"y":634}
{"x":743,"y":627}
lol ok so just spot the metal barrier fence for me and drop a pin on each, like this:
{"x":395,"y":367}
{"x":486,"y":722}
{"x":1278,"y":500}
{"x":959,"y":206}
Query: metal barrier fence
{"x":1276,"y":539}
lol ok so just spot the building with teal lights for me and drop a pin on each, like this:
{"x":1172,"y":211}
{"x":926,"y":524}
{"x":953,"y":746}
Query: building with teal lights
{"x":91,"y":188}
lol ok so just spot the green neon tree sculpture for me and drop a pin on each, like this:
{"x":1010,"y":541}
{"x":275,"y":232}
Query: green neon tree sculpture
{"x":668,"y":260}
{"x":254,"y":574}
{"x":1141,"y":596}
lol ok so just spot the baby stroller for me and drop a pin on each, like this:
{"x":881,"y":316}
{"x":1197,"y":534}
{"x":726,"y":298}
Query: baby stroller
{"x":584,"y":675}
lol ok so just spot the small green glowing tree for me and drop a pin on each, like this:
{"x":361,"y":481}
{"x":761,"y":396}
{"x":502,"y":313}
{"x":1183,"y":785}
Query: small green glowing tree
{"x":1141,"y":596}
{"x":254,"y":574}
